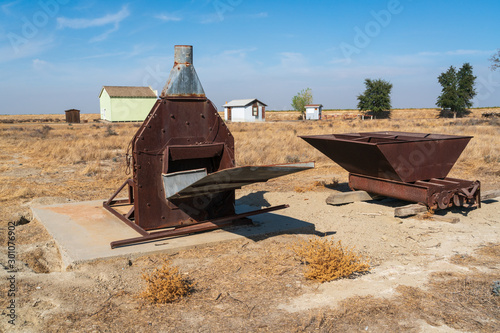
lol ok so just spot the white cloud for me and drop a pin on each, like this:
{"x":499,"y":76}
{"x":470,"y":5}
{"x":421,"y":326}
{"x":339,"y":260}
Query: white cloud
{"x":39,"y":64}
{"x":25,"y":48}
{"x":103,"y":55}
{"x":79,"y":23}
{"x":105,"y":34}
{"x":168,"y":17}
{"x":293,"y":60}
{"x":136,"y":50}
{"x":239,"y":52}
{"x":211,"y":18}
{"x":5,"y":7}
{"x":456,"y":52}
{"x":343,"y":61}
{"x":220,"y":15}
{"x":64,"y":22}
{"x":462,"y":52}
{"x":259,"y":15}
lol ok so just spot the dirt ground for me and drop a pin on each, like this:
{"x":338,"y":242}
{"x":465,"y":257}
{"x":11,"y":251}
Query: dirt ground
{"x":258,"y":285}
{"x":427,"y":274}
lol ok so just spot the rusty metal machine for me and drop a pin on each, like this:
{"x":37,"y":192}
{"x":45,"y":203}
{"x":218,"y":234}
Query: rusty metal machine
{"x":183,"y":163}
{"x":406,"y":166}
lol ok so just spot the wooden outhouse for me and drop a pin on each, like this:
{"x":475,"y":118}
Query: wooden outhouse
{"x":72,"y":116}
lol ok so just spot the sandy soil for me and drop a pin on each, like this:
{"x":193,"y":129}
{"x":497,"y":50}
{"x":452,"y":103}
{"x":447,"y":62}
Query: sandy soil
{"x":257,"y":284}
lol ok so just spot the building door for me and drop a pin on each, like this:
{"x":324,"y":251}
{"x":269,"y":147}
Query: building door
{"x":228,"y":113}
{"x":255,"y":110}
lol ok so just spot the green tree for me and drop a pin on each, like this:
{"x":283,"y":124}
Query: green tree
{"x":495,"y":60}
{"x":449,"y":92}
{"x":457,"y":90}
{"x":302,"y":99}
{"x":376,"y":98}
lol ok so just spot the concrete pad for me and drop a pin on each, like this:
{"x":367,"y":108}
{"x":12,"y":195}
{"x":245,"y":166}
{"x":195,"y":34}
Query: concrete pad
{"x":83,"y":231}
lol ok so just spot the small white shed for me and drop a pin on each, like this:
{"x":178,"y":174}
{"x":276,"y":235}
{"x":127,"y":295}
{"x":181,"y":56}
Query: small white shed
{"x":313,"y":111}
{"x":245,"y":110}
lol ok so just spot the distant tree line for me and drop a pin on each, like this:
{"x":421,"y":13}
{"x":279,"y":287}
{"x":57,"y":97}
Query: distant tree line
{"x":457,"y":92}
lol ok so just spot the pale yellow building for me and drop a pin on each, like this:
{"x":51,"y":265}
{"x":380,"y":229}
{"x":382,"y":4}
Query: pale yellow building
{"x":124,"y":103}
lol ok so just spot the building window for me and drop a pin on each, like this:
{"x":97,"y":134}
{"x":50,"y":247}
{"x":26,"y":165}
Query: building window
{"x":255,"y":110}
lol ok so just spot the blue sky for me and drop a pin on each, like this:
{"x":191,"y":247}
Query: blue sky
{"x":57,"y":54}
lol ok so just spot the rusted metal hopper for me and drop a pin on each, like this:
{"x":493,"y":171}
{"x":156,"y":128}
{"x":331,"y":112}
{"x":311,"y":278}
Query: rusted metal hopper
{"x":408,"y":166}
{"x":183,"y":164}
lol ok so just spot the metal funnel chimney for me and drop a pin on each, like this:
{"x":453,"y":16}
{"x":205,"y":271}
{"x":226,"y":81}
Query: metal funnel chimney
{"x":183,"y":80}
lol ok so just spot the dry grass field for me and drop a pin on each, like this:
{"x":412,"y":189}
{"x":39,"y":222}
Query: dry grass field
{"x":241,"y":285}
{"x":395,"y":114}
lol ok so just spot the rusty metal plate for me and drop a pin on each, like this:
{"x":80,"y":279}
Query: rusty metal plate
{"x":230,"y":179}
{"x":399,"y":156}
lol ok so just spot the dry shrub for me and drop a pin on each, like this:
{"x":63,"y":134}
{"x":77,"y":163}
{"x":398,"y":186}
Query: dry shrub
{"x":165,"y":285}
{"x":328,"y":260}
{"x":42,"y":132}
{"x":92,"y":169}
{"x":36,"y":260}
{"x":318,"y":184}
{"x":110,"y":131}
{"x":24,"y":192}
{"x":311,"y":187}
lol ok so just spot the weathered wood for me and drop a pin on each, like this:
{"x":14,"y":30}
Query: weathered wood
{"x":409,"y":210}
{"x":349,"y":197}
{"x":444,"y":219}
{"x":492,"y":194}
{"x":439,"y":218}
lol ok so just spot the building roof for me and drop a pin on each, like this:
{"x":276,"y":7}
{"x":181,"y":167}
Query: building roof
{"x":127,"y":91}
{"x":314,"y":105}
{"x":242,"y":102}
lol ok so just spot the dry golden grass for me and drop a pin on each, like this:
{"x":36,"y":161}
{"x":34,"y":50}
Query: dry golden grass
{"x":459,"y":301}
{"x":165,"y":285}
{"x":43,"y":118}
{"x":327,"y":260}
{"x":318,"y":184}
{"x":79,"y":161}
{"x":87,"y":161}
{"x":484,"y":256}
{"x":430,"y":113}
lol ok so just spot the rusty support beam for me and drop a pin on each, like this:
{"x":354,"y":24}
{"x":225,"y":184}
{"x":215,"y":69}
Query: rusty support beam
{"x":434,"y":193}
{"x":198,"y":227}
{"x":389,"y":188}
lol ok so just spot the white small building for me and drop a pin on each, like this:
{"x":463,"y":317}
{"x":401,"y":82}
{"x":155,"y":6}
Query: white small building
{"x":245,"y":110}
{"x":313,"y":111}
